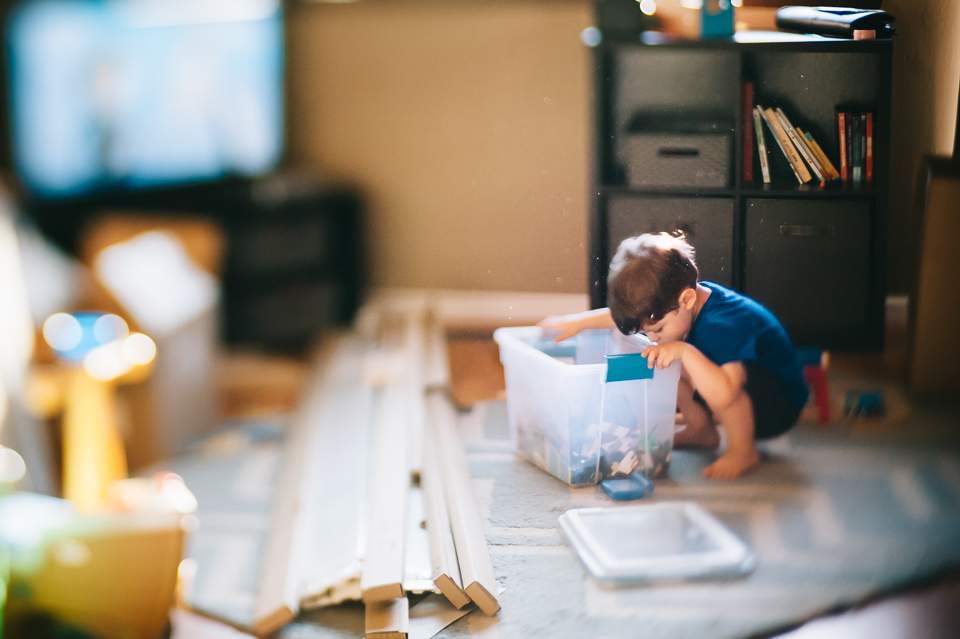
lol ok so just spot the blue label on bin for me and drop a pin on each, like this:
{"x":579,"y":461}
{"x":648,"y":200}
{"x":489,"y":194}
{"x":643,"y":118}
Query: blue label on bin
{"x":622,"y":368}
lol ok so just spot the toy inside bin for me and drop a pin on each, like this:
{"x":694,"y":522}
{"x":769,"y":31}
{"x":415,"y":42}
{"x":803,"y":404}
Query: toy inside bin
{"x":569,"y":420}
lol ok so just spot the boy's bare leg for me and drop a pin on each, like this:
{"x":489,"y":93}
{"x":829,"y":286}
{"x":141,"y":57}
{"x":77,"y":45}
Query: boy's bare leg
{"x":741,"y":454}
{"x":700,"y":432}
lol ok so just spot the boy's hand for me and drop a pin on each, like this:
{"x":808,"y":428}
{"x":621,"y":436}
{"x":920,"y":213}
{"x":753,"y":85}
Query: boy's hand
{"x":563,"y":326}
{"x":566,"y":326}
{"x":663,"y":354}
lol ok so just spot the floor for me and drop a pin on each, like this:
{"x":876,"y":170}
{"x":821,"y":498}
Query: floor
{"x":931,"y":611}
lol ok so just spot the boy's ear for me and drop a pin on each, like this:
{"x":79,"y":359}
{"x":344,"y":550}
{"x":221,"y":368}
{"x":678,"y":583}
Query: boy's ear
{"x":688,"y":298}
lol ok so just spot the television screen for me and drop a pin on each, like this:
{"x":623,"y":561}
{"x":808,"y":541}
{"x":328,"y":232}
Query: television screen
{"x":126,"y":94}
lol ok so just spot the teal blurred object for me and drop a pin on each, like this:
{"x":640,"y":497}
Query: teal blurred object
{"x":716,"y":19}
{"x":864,"y":404}
{"x":628,"y":366}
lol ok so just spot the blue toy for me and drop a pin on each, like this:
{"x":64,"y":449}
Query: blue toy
{"x":864,"y":404}
{"x":629,"y":488}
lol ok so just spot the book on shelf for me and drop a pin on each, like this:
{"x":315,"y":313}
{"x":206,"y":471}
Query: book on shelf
{"x":802,"y":150}
{"x":824,"y":160}
{"x":747,"y":131}
{"x":856,"y":137}
{"x":783,"y":141}
{"x":799,"y":144}
{"x":863,"y":147}
{"x":842,"y":127}
{"x":849,"y":125}
{"x":761,"y":145}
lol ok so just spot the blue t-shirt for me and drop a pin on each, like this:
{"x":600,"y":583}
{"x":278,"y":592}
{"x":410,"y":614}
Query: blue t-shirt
{"x":733,"y":328}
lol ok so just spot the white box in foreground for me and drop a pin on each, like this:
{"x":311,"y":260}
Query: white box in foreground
{"x":655,"y":542}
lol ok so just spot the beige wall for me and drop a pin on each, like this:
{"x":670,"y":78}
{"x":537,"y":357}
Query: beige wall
{"x":467,"y":124}
{"x":926,"y":82}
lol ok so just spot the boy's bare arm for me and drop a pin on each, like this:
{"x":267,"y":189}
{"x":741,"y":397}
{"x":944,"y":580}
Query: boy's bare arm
{"x":718,"y":385}
{"x":569,"y":325}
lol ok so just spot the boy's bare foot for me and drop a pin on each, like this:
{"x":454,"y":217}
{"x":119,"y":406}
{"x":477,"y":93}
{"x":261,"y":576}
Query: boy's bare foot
{"x":732,"y":464}
{"x":690,"y":437}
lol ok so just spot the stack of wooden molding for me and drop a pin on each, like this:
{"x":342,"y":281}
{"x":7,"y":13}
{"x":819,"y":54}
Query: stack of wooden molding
{"x":375,"y":499}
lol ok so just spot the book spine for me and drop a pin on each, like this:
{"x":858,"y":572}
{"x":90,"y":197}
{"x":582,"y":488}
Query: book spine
{"x":746,"y":126}
{"x":824,"y":160}
{"x":798,"y":143}
{"x":842,"y":123}
{"x":761,"y":146}
{"x":815,"y":155}
{"x":814,"y":158}
{"x":776,"y":139}
{"x":856,"y":148}
{"x":815,"y":162}
{"x":869,"y":147}
{"x":785,"y":145}
{"x":863,"y":147}
{"x":850,"y":146}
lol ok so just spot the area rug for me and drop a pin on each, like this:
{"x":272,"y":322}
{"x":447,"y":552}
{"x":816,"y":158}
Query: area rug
{"x":835,"y":516}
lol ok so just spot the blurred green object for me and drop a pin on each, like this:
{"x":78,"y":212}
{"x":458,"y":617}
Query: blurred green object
{"x":4,"y":580}
{"x":109,"y":574}
{"x":40,"y":626}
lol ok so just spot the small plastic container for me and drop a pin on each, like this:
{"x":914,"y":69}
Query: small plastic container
{"x":656,"y":542}
{"x":567,"y":420}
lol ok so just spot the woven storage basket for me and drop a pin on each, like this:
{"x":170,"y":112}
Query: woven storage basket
{"x":677,"y":159}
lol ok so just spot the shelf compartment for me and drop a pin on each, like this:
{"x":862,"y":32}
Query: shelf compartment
{"x":674,"y":84}
{"x":809,"y":262}
{"x":706,"y":222}
{"x":809,"y":87}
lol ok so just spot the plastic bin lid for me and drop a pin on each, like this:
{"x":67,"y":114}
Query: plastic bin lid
{"x":662,"y":541}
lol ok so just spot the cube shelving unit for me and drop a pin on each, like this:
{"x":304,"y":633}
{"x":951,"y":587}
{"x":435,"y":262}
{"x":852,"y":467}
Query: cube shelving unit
{"x":814,"y":255}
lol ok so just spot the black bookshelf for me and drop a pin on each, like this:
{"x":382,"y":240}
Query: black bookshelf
{"x":814,"y":255}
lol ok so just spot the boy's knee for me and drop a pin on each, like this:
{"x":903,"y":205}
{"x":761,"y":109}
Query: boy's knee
{"x":740,"y":406}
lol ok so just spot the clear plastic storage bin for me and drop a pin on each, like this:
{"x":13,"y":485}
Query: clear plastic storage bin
{"x":559,"y":423}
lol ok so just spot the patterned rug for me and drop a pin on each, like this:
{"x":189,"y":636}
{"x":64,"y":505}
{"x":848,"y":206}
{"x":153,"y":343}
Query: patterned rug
{"x":836,"y":515}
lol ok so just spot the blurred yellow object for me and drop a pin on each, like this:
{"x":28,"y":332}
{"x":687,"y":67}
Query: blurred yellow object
{"x":159,"y":272}
{"x":112,"y":574}
{"x":93,"y":454}
{"x":125,"y":361}
{"x":43,"y":391}
{"x":97,"y":352}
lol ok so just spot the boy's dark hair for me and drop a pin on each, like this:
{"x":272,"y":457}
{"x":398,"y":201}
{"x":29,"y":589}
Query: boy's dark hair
{"x":646,"y":277}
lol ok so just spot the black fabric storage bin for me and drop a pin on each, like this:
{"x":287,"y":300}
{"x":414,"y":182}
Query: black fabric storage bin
{"x":707,"y":223}
{"x":678,"y":159}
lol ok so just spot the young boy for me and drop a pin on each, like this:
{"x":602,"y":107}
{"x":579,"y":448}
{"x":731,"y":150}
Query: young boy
{"x":739,"y":367}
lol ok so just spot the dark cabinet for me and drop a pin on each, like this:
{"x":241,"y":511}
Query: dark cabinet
{"x":294,"y":259}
